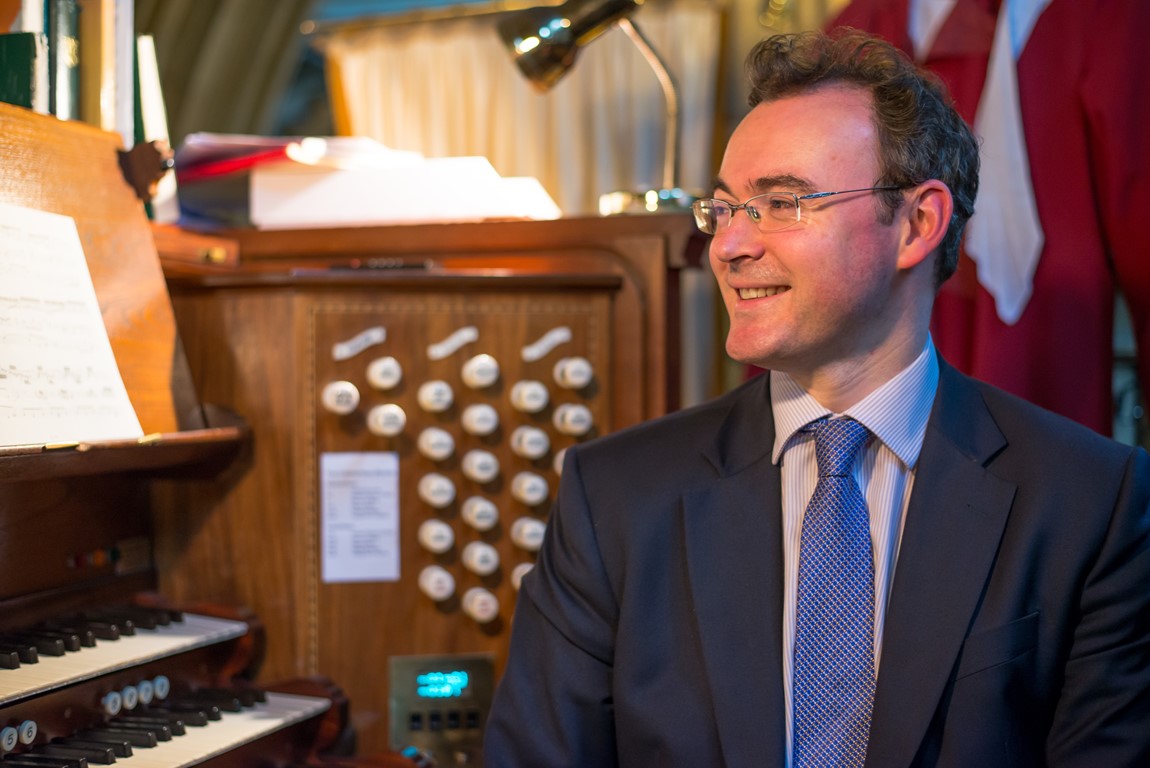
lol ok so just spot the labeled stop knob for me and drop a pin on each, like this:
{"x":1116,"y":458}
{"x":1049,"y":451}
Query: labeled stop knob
{"x":436,"y":444}
{"x":436,"y":490}
{"x":480,"y":466}
{"x":529,"y":488}
{"x":436,"y":582}
{"x":340,"y":397}
{"x":387,"y":420}
{"x":573,"y":419}
{"x":530,"y":442}
{"x":480,"y":605}
{"x":480,"y":513}
{"x":529,"y":396}
{"x":436,"y":536}
{"x":527,"y":533}
{"x":573,"y":372}
{"x":480,"y":558}
{"x":384,"y":373}
{"x":480,"y":371}
{"x":435,"y":396}
{"x":480,"y":419}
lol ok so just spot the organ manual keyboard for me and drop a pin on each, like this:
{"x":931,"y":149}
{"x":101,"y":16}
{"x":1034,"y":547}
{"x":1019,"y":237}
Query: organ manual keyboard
{"x":95,"y":668}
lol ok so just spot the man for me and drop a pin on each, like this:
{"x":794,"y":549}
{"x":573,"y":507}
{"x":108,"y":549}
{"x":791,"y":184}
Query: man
{"x":994,"y":608}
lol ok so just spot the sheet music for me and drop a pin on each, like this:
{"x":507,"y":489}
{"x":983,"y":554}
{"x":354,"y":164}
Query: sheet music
{"x":59,"y":381}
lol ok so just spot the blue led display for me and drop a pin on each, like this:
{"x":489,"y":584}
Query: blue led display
{"x":441,"y":685}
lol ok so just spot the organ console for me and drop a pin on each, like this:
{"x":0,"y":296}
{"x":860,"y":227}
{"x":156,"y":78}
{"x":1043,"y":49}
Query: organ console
{"x":410,"y":391}
{"x":95,"y":666}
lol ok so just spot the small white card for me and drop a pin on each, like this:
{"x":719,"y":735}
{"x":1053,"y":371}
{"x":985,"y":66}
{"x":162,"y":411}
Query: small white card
{"x":359,"y":498}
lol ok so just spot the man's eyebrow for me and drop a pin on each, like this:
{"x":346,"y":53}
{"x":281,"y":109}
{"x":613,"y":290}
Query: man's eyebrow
{"x":784,"y":182}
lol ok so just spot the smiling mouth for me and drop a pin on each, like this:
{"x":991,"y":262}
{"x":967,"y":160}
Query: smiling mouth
{"x":761,"y":293}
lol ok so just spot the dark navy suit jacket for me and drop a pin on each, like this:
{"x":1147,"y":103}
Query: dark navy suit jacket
{"x":1017,"y":632}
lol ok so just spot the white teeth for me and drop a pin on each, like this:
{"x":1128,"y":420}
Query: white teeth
{"x":759,"y":293}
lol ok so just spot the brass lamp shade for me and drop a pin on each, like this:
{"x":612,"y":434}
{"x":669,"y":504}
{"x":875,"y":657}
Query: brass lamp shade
{"x":545,"y":40}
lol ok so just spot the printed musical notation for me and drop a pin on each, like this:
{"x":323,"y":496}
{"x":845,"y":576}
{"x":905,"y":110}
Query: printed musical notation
{"x":58,"y":377}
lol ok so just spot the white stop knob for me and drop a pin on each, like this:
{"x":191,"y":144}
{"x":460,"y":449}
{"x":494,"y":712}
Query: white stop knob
{"x":436,"y":490}
{"x":384,"y":373}
{"x":436,"y":536}
{"x":130,"y":696}
{"x":529,"y":396}
{"x":573,"y":372}
{"x":480,"y":513}
{"x":573,"y":419}
{"x":386,"y":420}
{"x":530,"y":442}
{"x":529,"y":488}
{"x":436,"y":444}
{"x":480,"y":466}
{"x":480,"y":419}
{"x":480,"y":558}
{"x":557,"y":462}
{"x":437,"y":583}
{"x":435,"y":396}
{"x":27,"y":730}
{"x":480,"y":604}
{"x":480,"y":371}
{"x":527,"y":533}
{"x":340,"y":397}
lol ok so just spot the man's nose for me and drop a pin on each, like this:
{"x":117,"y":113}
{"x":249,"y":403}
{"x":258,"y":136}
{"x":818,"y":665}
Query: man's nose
{"x":739,"y":238}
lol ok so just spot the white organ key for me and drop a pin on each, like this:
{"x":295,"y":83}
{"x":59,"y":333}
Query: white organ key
{"x":195,"y":631}
{"x":232,"y":730}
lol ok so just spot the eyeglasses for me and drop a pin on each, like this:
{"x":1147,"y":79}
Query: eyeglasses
{"x":770,"y":212}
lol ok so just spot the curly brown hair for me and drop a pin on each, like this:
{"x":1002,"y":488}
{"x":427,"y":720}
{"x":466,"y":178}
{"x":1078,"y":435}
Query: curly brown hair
{"x":920,"y":134}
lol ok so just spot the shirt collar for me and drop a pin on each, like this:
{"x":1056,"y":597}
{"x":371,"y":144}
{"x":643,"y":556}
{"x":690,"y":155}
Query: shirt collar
{"x":896,"y":413}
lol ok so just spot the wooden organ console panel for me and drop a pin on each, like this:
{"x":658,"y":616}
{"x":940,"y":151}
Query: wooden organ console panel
{"x":95,"y":666}
{"x":461,"y":360}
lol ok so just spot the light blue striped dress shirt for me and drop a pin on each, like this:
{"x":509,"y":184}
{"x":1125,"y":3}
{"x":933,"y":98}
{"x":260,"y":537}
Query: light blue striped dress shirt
{"x":896,"y":415}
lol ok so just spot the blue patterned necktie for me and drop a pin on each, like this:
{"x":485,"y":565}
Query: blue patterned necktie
{"x":834,"y":622}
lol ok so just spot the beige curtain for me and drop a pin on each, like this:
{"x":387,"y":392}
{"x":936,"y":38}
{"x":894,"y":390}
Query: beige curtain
{"x":448,"y":88}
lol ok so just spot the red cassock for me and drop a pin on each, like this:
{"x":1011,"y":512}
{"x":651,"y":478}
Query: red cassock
{"x":1085,"y":104}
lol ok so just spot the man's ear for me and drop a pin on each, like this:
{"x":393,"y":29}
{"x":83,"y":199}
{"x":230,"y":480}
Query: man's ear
{"x":925,"y":219}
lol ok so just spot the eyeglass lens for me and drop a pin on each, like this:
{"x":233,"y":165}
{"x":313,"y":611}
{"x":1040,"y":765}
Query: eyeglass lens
{"x":770,"y":212}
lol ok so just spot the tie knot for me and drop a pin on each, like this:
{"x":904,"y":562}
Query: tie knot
{"x":837,"y":441}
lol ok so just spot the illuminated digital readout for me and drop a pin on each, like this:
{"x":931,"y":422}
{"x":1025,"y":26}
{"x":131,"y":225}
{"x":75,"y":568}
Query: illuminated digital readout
{"x":441,"y":685}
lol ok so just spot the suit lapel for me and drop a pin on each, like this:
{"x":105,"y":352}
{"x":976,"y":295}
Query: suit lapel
{"x":955,"y":519}
{"x":733,"y":530}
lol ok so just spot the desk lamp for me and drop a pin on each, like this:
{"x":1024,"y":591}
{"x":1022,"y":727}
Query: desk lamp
{"x":544,"y":42}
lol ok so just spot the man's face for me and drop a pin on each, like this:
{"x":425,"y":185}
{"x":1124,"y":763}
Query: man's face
{"x":821,"y":292}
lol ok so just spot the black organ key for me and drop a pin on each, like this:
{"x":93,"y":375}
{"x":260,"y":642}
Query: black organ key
{"x":210,"y":711}
{"x":138,"y":735}
{"x":99,"y":755}
{"x":226,"y":701}
{"x":143,"y":739}
{"x":98,"y":629}
{"x":119,"y":748}
{"x":191,"y":718}
{"x":124,"y":624}
{"x":71,"y":628}
{"x":26,"y":653}
{"x":29,"y":760}
{"x":9,"y":659}
{"x":72,"y":640}
{"x":44,"y":644}
{"x":171,"y":725}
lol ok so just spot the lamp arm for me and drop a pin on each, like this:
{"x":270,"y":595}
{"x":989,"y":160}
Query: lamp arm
{"x":670,"y":94}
